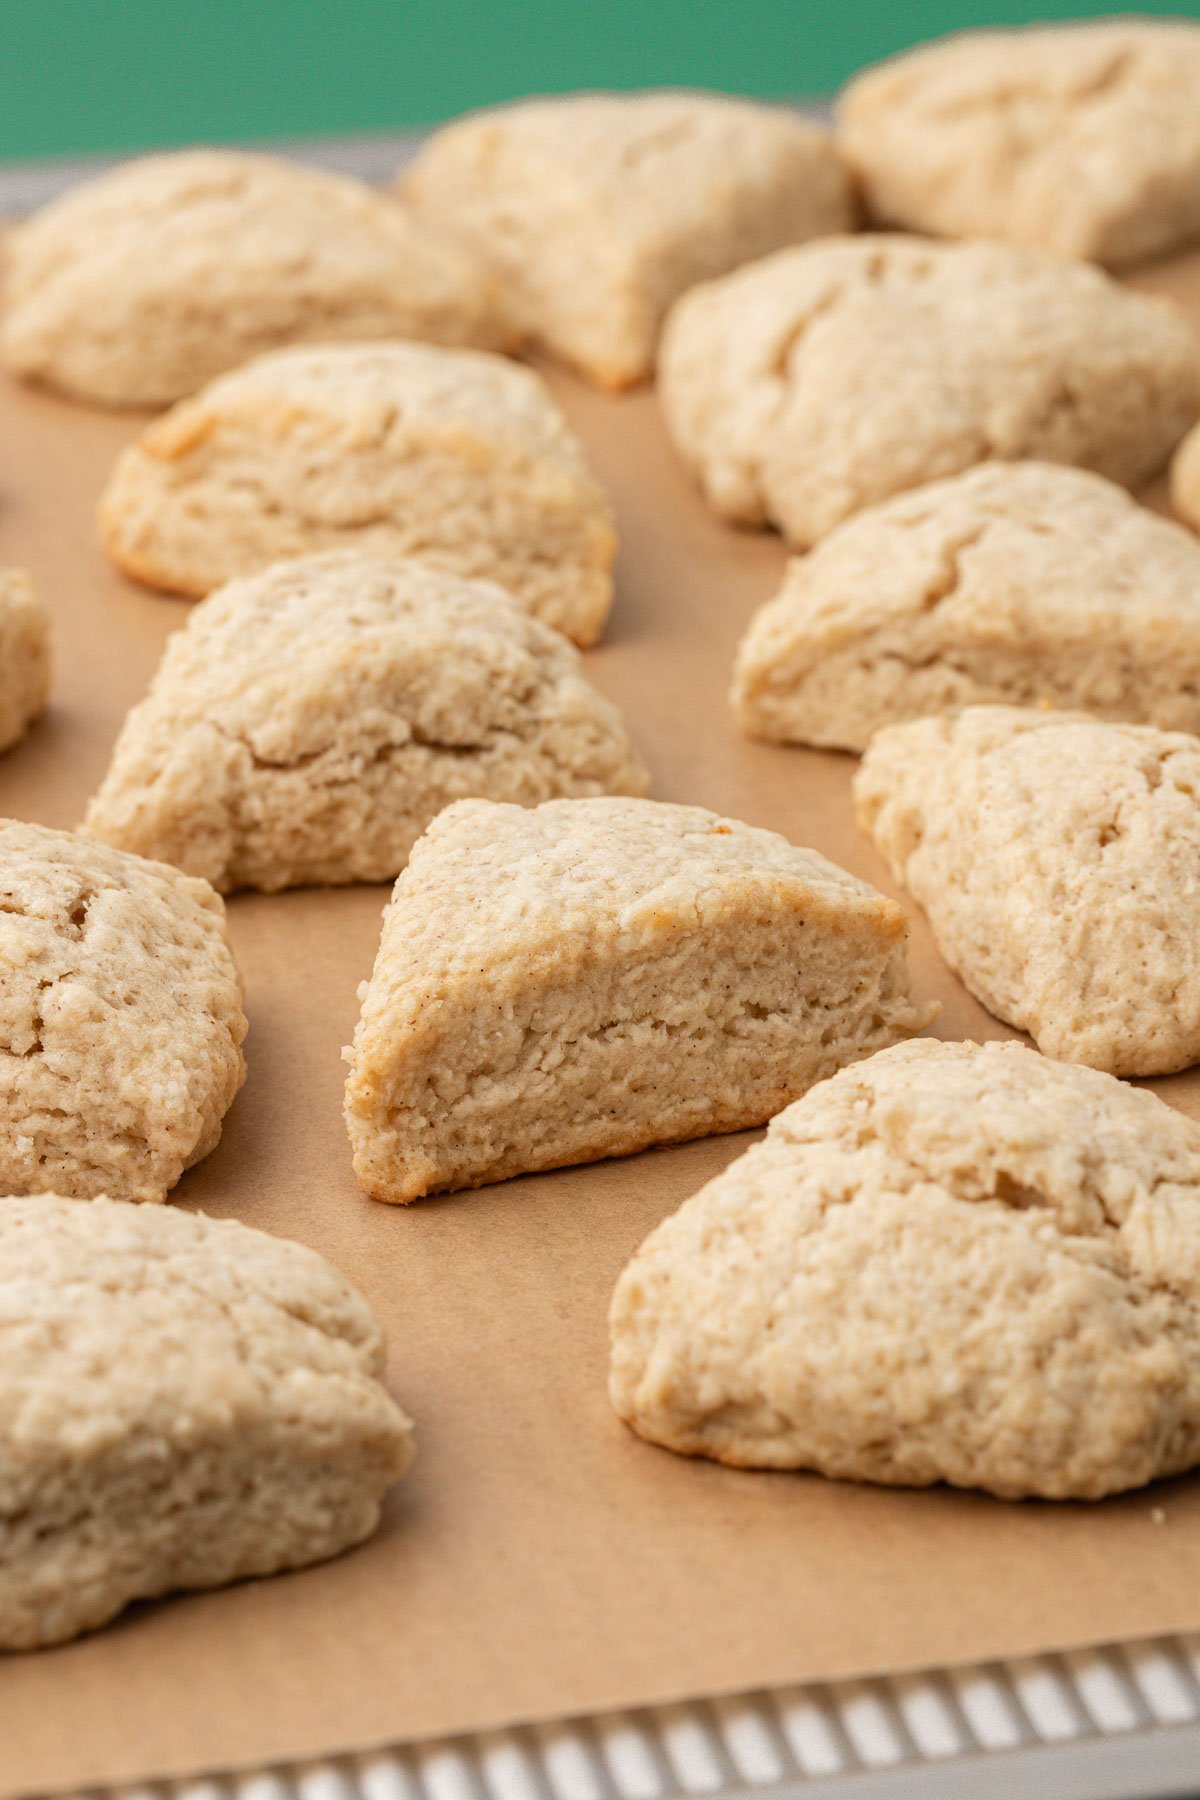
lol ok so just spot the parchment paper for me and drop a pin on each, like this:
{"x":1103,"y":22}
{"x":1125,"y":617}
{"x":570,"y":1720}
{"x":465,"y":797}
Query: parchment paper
{"x":539,"y":1561}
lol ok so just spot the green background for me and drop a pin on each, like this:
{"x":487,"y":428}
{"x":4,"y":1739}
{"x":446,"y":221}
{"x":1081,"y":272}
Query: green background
{"x":84,"y":75}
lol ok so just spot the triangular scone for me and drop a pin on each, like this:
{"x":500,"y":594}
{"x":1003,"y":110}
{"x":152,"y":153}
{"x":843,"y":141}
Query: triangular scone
{"x":121,"y":1018}
{"x":598,"y":210}
{"x":952,"y":1262}
{"x":1083,"y":139}
{"x":184,"y":1401}
{"x":308,"y":722}
{"x":454,"y":456}
{"x":1023,"y":582}
{"x":24,"y":655}
{"x":138,"y":287}
{"x":585,"y":978}
{"x":1057,"y":857}
{"x":829,"y":377}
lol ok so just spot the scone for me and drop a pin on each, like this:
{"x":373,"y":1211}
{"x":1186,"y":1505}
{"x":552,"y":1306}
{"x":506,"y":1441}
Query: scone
{"x":588,"y":977}
{"x":952,"y":1262}
{"x":121,"y":1018}
{"x":183,"y":1402}
{"x":308,"y":722}
{"x":24,"y":655}
{"x":1057,"y":857}
{"x":455,"y":456}
{"x":137,"y":288}
{"x":1024,"y":582}
{"x":596,"y":211}
{"x":1083,"y":139}
{"x":1185,"y":479}
{"x":827,"y":378}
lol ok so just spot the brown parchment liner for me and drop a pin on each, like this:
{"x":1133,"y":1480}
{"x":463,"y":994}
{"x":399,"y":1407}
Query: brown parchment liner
{"x":539,"y":1561}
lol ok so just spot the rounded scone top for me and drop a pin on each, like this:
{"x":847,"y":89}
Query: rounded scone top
{"x":1084,"y":139}
{"x":831,"y":376}
{"x":121,"y":1018}
{"x":138,"y":287}
{"x":596,"y":211}
{"x":1028,"y":583}
{"x":309,"y":721}
{"x":950,"y":1262}
{"x":458,"y":457}
{"x":184,"y":1400}
{"x":109,"y":1284}
{"x":1055,"y":855}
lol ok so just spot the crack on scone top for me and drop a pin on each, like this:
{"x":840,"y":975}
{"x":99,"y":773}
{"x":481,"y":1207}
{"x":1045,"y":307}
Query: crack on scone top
{"x":1061,"y":402}
{"x":445,"y":747}
{"x":1018,"y":92}
{"x":387,"y":748}
{"x":37,"y":1021}
{"x":530,"y":713}
{"x":1017,"y":1194}
{"x":247,"y":1344}
{"x":302,"y":759}
{"x":873,"y":272}
{"x":1178,"y":781}
{"x":1156,"y":770}
{"x":77,"y":915}
{"x":949,"y":579}
{"x":779,"y":366}
{"x":655,"y":143}
{"x":1110,"y":76}
{"x":999,"y":1185}
{"x":72,"y":927}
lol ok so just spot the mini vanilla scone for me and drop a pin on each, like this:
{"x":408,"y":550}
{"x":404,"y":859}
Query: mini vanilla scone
{"x":1024,"y":582}
{"x":183,"y":1402}
{"x":121,"y":1018}
{"x":596,"y":211}
{"x":24,"y":655}
{"x":1056,"y":856}
{"x":309,"y":721}
{"x":826,"y":378}
{"x":953,"y":1262}
{"x":454,"y":456}
{"x":588,"y":977}
{"x":1083,"y":139}
{"x":137,"y":288}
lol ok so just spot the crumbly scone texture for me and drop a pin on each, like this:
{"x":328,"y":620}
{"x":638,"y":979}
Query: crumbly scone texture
{"x":24,"y":655}
{"x":308,"y":722}
{"x":183,"y":1402}
{"x":829,"y":377}
{"x":121,"y":1019}
{"x":951,"y":1262}
{"x":585,"y":978}
{"x":454,"y":456}
{"x":137,"y":288}
{"x":1028,"y":583}
{"x":1056,"y":858}
{"x":597,"y":211}
{"x":1083,"y":139}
